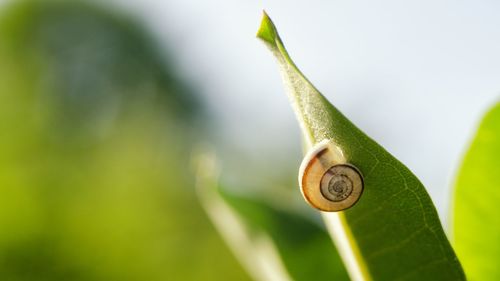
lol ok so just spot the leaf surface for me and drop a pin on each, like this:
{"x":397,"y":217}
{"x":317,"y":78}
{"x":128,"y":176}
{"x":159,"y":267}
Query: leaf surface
{"x":476,"y":208}
{"x":393,"y":232}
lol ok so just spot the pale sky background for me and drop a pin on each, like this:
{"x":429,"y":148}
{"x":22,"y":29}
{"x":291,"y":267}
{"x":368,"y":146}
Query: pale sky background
{"x":414,"y":75}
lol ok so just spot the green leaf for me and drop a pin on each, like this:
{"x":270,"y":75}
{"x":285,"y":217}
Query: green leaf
{"x":393,"y":231}
{"x":476,"y":210}
{"x":272,"y":243}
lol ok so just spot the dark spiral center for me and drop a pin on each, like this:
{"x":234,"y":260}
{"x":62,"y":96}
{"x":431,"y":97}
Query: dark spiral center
{"x":339,"y":188}
{"x":336,"y":186}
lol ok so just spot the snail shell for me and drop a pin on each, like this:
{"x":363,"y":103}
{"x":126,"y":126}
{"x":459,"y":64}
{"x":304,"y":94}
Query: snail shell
{"x":327,"y":182}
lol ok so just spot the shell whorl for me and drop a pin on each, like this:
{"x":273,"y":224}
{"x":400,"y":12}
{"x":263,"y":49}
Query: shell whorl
{"x":327,"y":182}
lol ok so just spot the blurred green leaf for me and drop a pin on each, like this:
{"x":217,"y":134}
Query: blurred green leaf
{"x":476,"y":208}
{"x":89,"y":64}
{"x":94,"y":132}
{"x":393,"y":231}
{"x":272,"y":243}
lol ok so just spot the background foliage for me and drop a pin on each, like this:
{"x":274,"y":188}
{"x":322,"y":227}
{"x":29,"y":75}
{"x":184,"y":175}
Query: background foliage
{"x":476,"y":221}
{"x":95,"y":136}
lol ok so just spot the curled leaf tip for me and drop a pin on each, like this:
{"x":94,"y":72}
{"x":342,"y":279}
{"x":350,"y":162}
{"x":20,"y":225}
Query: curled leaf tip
{"x":267,"y":31}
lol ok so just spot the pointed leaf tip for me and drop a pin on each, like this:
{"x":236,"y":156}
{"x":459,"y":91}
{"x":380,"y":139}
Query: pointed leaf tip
{"x":267,"y":31}
{"x":408,"y":211}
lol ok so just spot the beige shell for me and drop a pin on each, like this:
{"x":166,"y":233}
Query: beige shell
{"x":327,"y":182}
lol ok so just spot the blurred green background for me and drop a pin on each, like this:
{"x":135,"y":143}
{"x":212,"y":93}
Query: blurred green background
{"x":96,"y":132}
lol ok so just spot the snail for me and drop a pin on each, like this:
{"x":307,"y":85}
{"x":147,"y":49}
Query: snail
{"x":326,"y":181}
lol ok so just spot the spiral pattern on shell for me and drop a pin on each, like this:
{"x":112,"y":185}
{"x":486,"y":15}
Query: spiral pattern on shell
{"x":327,"y":182}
